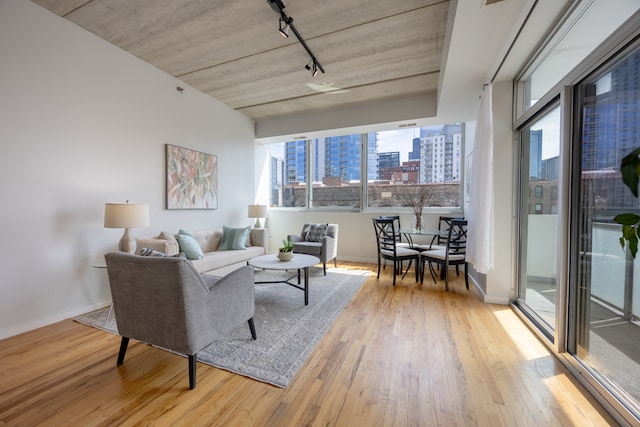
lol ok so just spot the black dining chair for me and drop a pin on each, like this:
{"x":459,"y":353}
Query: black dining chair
{"x":453,"y":254}
{"x":439,"y":241}
{"x":399,"y":242}
{"x":388,"y":248}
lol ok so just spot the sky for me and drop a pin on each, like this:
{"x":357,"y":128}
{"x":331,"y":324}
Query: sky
{"x":398,"y":140}
{"x":550,"y":126}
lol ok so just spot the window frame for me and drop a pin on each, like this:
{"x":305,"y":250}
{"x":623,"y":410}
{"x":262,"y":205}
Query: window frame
{"x":364,"y":184}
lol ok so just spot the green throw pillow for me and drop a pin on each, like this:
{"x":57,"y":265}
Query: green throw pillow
{"x":188,"y":244}
{"x":234,"y":238}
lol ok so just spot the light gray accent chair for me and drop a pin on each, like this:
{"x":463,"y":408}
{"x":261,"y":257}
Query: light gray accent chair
{"x":326,"y":250}
{"x":165,"y":302}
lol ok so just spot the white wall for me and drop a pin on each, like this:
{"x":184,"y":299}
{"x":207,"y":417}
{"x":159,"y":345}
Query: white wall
{"x":83,"y":123}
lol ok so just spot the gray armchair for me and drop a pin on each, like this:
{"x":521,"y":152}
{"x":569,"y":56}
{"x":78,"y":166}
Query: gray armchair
{"x":326,"y":249}
{"x":163,"y":301}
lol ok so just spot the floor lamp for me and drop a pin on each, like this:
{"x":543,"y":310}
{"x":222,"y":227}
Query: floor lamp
{"x":127,"y":216}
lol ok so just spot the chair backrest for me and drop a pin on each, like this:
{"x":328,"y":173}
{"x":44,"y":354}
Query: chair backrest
{"x":156,"y":298}
{"x":457,"y":237}
{"x":444,"y":224}
{"x":386,"y":235}
{"x":396,"y":220}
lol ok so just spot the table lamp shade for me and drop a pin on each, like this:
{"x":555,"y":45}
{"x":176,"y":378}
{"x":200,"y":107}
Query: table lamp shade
{"x":257,"y":211}
{"x":126,"y":215}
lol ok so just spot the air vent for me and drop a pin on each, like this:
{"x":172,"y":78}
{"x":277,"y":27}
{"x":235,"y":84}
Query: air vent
{"x":407,"y":125}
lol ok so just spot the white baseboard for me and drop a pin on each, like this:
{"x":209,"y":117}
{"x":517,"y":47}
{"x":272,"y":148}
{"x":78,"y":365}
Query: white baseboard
{"x":26,"y":327}
{"x":496,"y":300}
{"x":488,"y":299}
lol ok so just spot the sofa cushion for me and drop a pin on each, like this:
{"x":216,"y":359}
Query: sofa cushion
{"x":218,"y":259}
{"x":209,"y":240}
{"x":234,"y":238}
{"x":189,"y":245}
{"x":309,"y":248}
{"x":316,"y":232}
{"x":166,"y":236}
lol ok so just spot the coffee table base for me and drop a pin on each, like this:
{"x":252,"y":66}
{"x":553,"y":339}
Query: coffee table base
{"x":304,"y":288}
{"x":300,"y":263}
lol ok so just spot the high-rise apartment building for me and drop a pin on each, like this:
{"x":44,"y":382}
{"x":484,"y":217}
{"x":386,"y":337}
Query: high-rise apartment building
{"x":440,"y":154}
{"x":342,"y":157}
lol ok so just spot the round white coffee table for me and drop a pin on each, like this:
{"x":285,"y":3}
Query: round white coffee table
{"x":298,"y":262}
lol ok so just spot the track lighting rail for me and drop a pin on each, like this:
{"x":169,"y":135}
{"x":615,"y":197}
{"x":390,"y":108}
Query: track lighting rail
{"x":285,"y":23}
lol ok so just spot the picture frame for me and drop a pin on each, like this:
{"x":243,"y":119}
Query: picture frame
{"x":191,"y":179}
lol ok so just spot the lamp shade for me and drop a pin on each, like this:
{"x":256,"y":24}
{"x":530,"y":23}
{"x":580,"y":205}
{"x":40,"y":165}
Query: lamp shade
{"x":257,"y":211}
{"x":126,"y":215}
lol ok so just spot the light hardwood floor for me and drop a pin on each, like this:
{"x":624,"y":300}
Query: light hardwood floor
{"x":407,"y":355}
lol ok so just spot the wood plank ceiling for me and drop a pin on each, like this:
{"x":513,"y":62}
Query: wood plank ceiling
{"x":370,"y":49}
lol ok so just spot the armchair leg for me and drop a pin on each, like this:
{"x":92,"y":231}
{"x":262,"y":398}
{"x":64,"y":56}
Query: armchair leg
{"x":324,"y":268}
{"x":252,"y":326}
{"x":192,"y":371}
{"x":123,"y":349}
{"x":335,"y":262}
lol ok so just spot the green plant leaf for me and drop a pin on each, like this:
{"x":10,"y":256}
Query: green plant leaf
{"x":630,"y":169}
{"x":633,"y":245}
{"x":627,"y":219}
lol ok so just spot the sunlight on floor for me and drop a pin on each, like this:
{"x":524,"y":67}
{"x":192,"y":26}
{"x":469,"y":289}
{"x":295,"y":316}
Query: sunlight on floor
{"x":563,"y":389}
{"x":521,"y":336}
{"x":348,"y":271}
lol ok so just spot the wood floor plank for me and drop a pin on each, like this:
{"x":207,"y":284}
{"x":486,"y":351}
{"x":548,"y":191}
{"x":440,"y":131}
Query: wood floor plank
{"x":410,"y":354}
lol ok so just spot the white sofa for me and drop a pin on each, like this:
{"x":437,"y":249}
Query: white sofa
{"x":215,"y":262}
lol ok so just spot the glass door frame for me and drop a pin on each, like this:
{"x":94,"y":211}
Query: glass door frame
{"x":552,"y":335}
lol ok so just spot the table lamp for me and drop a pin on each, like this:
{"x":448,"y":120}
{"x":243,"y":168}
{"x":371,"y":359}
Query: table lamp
{"x":126,"y":215}
{"x":257,"y":212}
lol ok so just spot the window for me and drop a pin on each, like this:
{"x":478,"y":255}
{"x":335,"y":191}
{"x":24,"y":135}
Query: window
{"x":334,"y":172}
{"x":538,"y":191}
{"x":289,"y":174}
{"x":585,"y":27}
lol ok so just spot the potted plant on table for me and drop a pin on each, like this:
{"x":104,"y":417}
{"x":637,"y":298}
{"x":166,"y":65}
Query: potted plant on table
{"x":285,"y":253}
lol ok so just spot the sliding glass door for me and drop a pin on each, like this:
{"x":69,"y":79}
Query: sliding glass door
{"x":538,"y":266}
{"x":605,"y":321}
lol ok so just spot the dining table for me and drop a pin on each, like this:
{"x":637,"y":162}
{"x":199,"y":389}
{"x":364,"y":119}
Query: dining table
{"x":409,"y":233}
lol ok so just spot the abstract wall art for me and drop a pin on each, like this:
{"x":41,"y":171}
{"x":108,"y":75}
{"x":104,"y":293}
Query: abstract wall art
{"x":192,"y":179}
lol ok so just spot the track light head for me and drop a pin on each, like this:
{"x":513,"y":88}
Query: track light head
{"x":313,"y":67}
{"x":284,"y":26}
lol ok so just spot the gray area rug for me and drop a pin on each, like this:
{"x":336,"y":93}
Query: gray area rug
{"x":287,"y":330}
